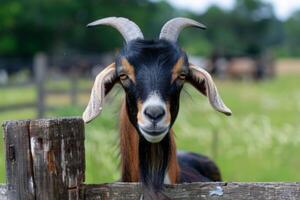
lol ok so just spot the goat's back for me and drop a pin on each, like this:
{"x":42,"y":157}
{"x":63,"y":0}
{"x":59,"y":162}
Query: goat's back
{"x":197,"y":168}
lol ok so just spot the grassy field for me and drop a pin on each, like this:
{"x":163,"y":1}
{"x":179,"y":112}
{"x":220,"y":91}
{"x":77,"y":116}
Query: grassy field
{"x":260,"y":142}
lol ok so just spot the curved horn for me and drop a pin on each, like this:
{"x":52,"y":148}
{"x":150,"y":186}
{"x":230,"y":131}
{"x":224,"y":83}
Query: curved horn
{"x":171,"y":30}
{"x":127,"y":28}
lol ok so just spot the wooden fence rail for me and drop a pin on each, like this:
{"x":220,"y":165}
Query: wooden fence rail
{"x":41,"y":73}
{"x":45,"y":160}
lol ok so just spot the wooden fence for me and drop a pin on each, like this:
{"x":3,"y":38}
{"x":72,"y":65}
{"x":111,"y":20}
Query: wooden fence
{"x":41,"y":75}
{"x":45,"y":160}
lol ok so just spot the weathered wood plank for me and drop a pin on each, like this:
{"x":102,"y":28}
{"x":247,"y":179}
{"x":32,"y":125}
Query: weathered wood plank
{"x":195,"y":191}
{"x":19,"y":172}
{"x":203,"y":191}
{"x":3,"y":192}
{"x":57,"y":148}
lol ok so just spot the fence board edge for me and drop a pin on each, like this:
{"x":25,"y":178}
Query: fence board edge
{"x":3,"y":192}
{"x":204,"y":190}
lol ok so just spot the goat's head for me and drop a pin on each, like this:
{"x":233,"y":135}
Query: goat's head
{"x":152,"y":73}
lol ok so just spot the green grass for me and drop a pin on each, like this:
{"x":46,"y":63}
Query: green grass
{"x":260,"y":142}
{"x":11,"y":96}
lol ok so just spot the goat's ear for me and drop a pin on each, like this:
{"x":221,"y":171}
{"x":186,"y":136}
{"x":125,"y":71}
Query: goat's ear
{"x":104,"y":82}
{"x":203,"y":82}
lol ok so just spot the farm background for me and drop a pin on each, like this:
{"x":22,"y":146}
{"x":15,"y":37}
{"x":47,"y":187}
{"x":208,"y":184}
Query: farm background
{"x":260,"y":142}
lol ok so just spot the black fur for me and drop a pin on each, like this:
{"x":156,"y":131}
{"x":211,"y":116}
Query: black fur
{"x":154,"y":162}
{"x":153,"y":62}
{"x":197,"y":168}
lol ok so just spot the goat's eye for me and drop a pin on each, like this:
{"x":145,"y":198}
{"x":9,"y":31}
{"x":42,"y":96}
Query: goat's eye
{"x":182,"y":76}
{"x":123,"y":76}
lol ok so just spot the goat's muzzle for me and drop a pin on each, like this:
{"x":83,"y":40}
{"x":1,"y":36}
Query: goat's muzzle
{"x":153,"y":119}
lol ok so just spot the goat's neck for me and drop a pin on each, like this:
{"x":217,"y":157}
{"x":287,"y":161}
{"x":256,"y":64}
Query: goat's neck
{"x":133,"y":147}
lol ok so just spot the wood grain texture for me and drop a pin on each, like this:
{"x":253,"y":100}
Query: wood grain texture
{"x":204,"y":191}
{"x":193,"y":191}
{"x":3,"y":192}
{"x":19,"y":172}
{"x":57,"y":148}
{"x":44,"y":158}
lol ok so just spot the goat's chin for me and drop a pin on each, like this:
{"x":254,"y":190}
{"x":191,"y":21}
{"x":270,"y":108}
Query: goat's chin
{"x":153,"y":138}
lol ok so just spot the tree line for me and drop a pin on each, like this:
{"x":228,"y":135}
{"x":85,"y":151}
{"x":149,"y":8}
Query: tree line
{"x":58,"y":27}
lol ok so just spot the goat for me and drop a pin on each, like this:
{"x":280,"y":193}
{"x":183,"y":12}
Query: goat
{"x":152,"y":74}
{"x":241,"y":68}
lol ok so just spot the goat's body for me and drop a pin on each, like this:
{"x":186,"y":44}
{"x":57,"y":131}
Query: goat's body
{"x":180,"y":167}
{"x":197,"y":168}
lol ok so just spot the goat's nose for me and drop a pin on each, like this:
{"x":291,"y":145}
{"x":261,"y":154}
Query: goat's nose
{"x":154,"y":113}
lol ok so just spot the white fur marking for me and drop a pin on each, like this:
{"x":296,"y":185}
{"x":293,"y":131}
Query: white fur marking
{"x":153,"y":139}
{"x":167,"y":179}
{"x":153,"y":100}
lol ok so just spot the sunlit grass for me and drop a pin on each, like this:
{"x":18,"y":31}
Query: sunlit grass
{"x":10,"y":96}
{"x":260,"y":142}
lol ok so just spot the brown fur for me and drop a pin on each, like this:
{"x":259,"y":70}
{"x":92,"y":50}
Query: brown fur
{"x":139,"y":115}
{"x":173,"y":168}
{"x":129,"y":143}
{"x":168,"y":113}
{"x":128,"y":69}
{"x":177,"y":69}
{"x":129,"y":148}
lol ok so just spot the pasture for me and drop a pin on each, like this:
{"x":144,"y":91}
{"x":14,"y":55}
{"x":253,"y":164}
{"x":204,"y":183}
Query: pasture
{"x":260,"y":142}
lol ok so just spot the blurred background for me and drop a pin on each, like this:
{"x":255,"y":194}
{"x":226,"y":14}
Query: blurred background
{"x":48,"y":60}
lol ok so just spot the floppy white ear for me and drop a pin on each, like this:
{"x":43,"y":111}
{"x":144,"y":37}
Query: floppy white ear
{"x":102,"y":85}
{"x":202,"y":81}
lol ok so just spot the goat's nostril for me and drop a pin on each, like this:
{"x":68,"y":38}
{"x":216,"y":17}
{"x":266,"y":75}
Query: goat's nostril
{"x":154,"y":112}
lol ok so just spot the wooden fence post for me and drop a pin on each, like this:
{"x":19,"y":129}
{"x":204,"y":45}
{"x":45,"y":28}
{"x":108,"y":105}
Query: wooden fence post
{"x":45,"y":158}
{"x":19,"y":174}
{"x":40,"y":69}
{"x":74,"y":87}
